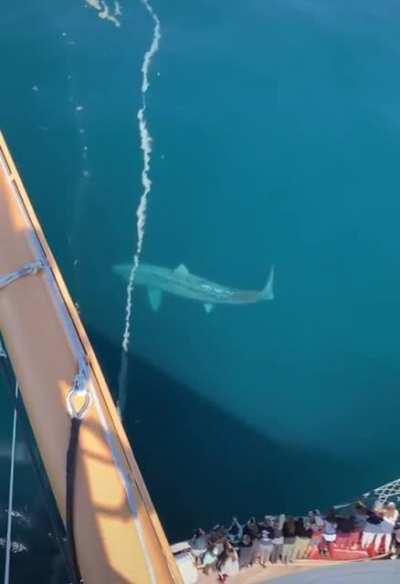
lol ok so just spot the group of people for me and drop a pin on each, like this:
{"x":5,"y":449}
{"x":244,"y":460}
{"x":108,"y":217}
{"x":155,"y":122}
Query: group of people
{"x":286,"y":539}
{"x":274,"y":539}
{"x":379,"y":525}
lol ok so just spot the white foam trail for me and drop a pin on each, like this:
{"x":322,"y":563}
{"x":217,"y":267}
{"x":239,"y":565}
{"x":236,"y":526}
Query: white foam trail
{"x":146,"y":147}
{"x":104,"y":12}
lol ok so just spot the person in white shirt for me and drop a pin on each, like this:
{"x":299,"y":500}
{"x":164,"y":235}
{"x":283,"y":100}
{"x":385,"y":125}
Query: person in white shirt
{"x":390,"y":516}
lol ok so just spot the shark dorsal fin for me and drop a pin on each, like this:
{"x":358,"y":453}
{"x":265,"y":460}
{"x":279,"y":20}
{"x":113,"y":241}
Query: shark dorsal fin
{"x":181,"y":270}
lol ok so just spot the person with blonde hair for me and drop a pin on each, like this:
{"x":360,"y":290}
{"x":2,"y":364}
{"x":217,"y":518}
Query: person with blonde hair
{"x":390,"y":517}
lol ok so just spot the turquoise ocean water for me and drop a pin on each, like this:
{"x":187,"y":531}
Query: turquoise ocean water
{"x":276,"y":139}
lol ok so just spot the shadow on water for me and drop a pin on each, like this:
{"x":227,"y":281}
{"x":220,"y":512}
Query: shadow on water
{"x":202,"y":465}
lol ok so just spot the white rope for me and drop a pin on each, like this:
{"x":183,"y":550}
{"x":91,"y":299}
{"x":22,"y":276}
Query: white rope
{"x":28,"y":269}
{"x":11,"y":492}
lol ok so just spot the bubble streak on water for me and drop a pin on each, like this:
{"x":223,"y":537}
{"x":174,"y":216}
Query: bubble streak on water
{"x":146,"y":148}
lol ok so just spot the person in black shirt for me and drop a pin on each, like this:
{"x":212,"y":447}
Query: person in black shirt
{"x":245,"y":551}
{"x":251,"y":528}
{"x":289,"y":538}
{"x":303,"y":537}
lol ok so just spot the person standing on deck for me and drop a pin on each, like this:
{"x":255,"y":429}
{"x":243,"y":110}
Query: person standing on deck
{"x":251,"y":528}
{"x":303,"y":538}
{"x":266,"y":546}
{"x":372,"y":526}
{"x":235,"y":531}
{"x":198,"y":545}
{"x":328,"y":534}
{"x":245,"y":551}
{"x":390,"y":517}
{"x":289,"y":538}
{"x":359,"y":517}
{"x":228,"y":563}
{"x":277,"y":539}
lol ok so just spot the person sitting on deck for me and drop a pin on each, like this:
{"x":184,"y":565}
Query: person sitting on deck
{"x":228,"y":563}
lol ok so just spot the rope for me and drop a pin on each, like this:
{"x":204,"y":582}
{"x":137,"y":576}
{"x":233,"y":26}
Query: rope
{"x":11,"y":491}
{"x":71,"y":472}
{"x":79,"y":400}
{"x":28,"y":269}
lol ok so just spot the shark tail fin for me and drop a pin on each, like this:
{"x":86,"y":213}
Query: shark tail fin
{"x":267,"y":293}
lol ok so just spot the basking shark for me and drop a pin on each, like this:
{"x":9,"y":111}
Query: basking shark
{"x":181,"y":282}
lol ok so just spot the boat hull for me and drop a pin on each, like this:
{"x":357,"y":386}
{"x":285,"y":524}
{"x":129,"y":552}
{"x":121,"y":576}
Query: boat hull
{"x":114,"y":544}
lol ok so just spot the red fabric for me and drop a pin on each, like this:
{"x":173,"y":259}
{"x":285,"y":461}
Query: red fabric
{"x":348,"y":540}
{"x":346,"y":547}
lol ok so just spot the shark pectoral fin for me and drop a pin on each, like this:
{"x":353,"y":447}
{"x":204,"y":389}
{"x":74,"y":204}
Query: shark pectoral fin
{"x":155,"y":298}
{"x":181,"y":270}
{"x":209,"y":307}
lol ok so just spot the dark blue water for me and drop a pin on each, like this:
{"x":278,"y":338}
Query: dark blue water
{"x":276,"y":132}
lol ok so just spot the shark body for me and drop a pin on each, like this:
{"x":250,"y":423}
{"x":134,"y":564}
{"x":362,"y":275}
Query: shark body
{"x":180,"y":282}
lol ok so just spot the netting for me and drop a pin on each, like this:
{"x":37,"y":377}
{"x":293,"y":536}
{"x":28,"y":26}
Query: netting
{"x":385,"y":493}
